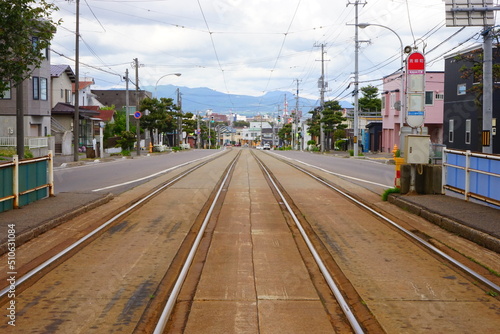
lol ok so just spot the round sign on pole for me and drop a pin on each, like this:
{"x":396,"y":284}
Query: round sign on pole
{"x":137,"y":115}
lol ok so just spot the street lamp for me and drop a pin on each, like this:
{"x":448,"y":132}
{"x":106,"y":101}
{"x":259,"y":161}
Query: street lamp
{"x":402,"y":89}
{"x":156,"y":86}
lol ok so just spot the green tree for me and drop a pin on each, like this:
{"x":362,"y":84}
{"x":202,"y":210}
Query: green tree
{"x":370,"y":101}
{"x":162,"y":115}
{"x":332,"y":120}
{"x":241,"y":124}
{"x":285,"y":133}
{"x":20,"y":22}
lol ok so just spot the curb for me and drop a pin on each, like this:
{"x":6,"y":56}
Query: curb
{"x":448,"y":224}
{"x":45,"y":226}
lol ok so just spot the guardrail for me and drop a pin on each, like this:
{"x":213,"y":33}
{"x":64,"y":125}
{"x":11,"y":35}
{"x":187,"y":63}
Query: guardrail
{"x":25,"y":181}
{"x":31,"y":142}
{"x":475,"y":175}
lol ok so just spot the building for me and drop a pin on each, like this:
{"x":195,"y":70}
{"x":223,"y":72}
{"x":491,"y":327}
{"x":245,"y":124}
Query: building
{"x":463,"y":123}
{"x":393,"y":122}
{"x":35,"y":102}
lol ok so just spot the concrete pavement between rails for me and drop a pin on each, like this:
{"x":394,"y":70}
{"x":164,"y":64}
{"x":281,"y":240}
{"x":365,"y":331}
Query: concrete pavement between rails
{"x":475,"y":222}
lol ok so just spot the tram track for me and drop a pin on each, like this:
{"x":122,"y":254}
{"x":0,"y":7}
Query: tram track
{"x":43,"y":264}
{"x":189,"y":273}
{"x":392,"y":221}
{"x":180,"y":317}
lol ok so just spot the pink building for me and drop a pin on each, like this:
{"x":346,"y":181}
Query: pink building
{"x":392,"y":117}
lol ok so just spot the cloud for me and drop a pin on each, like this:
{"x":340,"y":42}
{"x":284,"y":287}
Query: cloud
{"x":250,"y":47}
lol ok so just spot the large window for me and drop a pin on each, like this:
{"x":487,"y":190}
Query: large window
{"x":40,"y":88}
{"x":36,"y":88}
{"x":6,"y":94}
{"x":429,"y":98}
{"x":43,"y":89}
{"x":461,"y":89}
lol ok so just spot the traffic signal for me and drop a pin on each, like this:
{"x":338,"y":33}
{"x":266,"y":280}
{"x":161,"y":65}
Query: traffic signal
{"x":212,"y":119}
{"x":279,"y":118}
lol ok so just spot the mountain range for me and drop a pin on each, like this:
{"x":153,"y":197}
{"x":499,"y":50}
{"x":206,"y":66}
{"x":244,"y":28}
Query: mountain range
{"x":203,"y":99}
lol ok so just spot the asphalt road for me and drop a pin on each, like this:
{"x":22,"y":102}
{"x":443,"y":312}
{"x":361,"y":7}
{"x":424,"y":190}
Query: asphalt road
{"x":122,"y":174}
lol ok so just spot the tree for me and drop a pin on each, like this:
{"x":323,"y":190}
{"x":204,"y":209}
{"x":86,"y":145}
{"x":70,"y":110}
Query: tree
{"x":26,"y":30}
{"x":370,"y":101}
{"x":332,"y":120}
{"x":240,"y":124}
{"x":285,"y":133}
{"x":162,"y":115}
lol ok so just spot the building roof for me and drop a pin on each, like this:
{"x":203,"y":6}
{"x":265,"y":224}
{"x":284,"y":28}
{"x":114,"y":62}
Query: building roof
{"x":105,"y":115}
{"x":57,"y":70}
{"x":69,"y":109}
{"x":82,"y":85}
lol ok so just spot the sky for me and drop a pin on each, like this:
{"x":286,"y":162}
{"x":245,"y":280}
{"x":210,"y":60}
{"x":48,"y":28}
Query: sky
{"x":252,"y":47}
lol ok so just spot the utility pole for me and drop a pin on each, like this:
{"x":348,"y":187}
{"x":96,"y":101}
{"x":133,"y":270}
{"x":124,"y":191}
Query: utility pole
{"x":198,"y":130}
{"x":76,"y":119}
{"x":179,"y":118}
{"x":322,"y":99}
{"x":487,"y":135}
{"x":296,"y":117}
{"x":127,"y":102}
{"x":356,"y":77}
{"x":138,"y":132}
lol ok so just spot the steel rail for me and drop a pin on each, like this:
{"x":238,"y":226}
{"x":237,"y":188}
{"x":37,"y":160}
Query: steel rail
{"x":167,"y":310}
{"x":53,"y":259}
{"x":326,"y":274}
{"x":415,"y":237}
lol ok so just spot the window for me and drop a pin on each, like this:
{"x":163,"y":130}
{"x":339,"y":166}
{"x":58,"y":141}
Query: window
{"x":467,"y":131}
{"x":439,"y":96}
{"x":62,"y":93}
{"x":5,"y":95}
{"x":40,"y":88}
{"x":68,"y":96}
{"x":461,"y":89}
{"x":393,"y":100}
{"x":36,"y":88}
{"x":429,"y":98}
{"x":43,"y":89}
{"x":451,"y":129}
{"x":383,"y":102}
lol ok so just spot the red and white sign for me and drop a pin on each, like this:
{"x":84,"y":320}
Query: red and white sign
{"x":415,"y":63}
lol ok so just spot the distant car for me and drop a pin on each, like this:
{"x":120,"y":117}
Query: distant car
{"x":266,"y":147}
{"x":258,"y":147}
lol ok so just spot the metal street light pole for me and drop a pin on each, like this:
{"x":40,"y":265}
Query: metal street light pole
{"x":156,"y":86}
{"x":402,"y":94}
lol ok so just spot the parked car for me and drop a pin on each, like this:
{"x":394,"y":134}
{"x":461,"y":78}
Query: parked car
{"x":266,"y":147}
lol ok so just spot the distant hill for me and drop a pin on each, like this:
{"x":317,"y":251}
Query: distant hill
{"x":202,"y":99}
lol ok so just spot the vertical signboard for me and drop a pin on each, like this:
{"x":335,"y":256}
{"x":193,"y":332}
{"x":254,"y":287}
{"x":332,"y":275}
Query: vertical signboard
{"x":415,"y":69}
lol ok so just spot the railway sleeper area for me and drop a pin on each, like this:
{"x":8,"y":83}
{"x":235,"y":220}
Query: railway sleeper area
{"x":244,"y":243}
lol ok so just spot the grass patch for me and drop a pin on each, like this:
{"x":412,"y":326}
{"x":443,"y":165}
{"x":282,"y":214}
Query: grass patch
{"x":386,"y":193}
{"x":9,"y":152}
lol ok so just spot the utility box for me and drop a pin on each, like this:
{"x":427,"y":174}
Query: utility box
{"x":417,"y":149}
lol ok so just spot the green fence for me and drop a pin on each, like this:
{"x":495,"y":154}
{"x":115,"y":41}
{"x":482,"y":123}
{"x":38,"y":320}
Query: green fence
{"x":25,"y":181}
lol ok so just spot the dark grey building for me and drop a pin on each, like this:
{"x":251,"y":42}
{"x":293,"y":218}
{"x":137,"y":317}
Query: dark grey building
{"x":463,"y":120}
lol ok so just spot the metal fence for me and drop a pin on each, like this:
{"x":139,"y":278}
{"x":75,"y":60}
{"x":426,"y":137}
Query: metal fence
{"x":31,"y":142}
{"x":25,"y":181}
{"x":475,"y":175}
